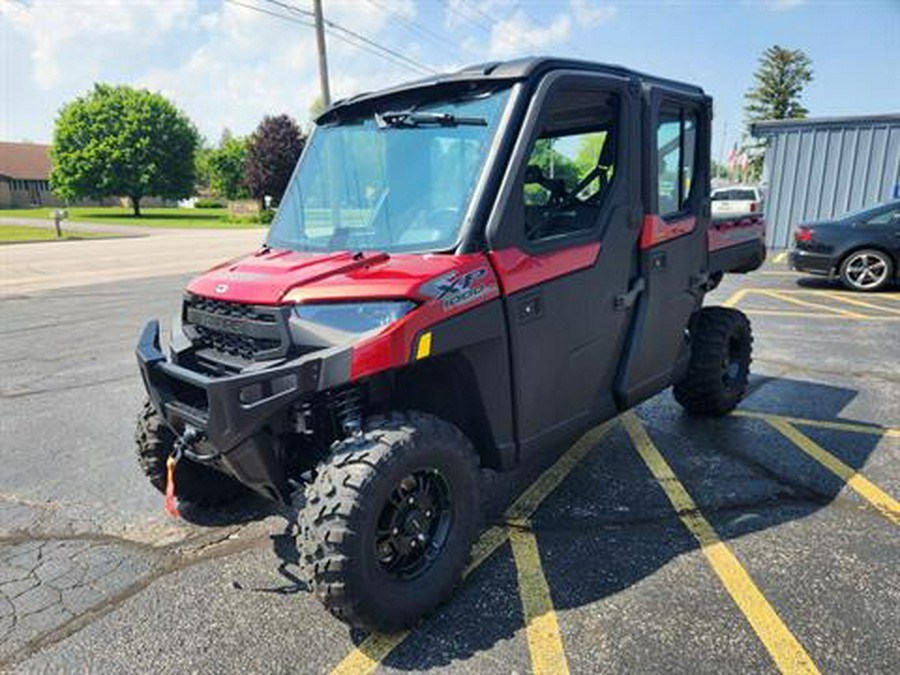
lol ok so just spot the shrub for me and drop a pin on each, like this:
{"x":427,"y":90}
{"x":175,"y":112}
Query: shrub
{"x":262,"y":218}
{"x":208,"y":204}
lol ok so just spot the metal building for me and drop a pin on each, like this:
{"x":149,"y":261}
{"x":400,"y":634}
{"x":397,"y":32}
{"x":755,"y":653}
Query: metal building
{"x":820,"y":168}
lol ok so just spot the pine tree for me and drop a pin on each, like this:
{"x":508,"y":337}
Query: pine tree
{"x":775,"y":95}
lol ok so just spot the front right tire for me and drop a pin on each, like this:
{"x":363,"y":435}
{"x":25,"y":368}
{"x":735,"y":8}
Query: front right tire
{"x":195,"y":483}
{"x":389,"y":520}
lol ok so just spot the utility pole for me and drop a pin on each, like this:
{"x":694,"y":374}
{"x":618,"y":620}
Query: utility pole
{"x":722,"y":143}
{"x":323,"y":61}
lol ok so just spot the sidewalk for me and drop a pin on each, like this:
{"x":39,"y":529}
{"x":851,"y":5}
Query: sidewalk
{"x":99,"y":228}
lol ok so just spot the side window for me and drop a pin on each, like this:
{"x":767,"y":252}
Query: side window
{"x":571,"y":164}
{"x":884,"y":218}
{"x":676,"y":146}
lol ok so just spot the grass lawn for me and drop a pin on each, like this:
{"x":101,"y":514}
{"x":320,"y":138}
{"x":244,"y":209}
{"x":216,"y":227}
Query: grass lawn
{"x":18,"y":233}
{"x":150,"y":217}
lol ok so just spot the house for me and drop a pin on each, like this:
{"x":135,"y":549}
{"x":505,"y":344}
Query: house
{"x":25,"y":174}
{"x":25,"y":178}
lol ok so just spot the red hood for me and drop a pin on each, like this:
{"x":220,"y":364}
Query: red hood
{"x":274,"y":276}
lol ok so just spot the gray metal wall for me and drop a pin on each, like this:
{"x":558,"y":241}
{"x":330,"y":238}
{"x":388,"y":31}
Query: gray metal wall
{"x":818,"y":169}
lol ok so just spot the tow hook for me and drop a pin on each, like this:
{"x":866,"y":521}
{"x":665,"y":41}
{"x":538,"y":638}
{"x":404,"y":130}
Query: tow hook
{"x":183,"y":444}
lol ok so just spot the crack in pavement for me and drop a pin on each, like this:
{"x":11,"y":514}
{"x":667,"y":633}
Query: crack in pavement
{"x":52,"y":588}
{"x":70,"y":387}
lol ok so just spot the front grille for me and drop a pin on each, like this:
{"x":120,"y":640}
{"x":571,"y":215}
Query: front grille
{"x":236,"y":345}
{"x":249,"y":332}
{"x":236,"y":309}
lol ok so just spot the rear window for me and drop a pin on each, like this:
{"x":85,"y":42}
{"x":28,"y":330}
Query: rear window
{"x":734,"y":196}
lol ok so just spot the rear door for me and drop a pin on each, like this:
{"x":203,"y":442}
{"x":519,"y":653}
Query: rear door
{"x":563,"y":243}
{"x":884,"y":231}
{"x":673,"y":250}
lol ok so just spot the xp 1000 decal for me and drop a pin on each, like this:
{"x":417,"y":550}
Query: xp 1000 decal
{"x":456,"y":289}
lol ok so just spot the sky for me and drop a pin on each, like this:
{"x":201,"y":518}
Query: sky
{"x":227,"y":65}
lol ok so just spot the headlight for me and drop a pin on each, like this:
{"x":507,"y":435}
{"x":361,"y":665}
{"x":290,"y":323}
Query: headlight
{"x":354,"y":317}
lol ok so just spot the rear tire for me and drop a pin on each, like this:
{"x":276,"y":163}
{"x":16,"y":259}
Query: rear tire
{"x":194,"y":482}
{"x":407,"y":476}
{"x":867,"y":270}
{"x":721,"y":349}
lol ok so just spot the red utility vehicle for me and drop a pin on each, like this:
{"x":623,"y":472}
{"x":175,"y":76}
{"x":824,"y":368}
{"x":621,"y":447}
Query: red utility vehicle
{"x":464,"y":272}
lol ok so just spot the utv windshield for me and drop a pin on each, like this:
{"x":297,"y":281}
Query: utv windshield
{"x":399,"y":180}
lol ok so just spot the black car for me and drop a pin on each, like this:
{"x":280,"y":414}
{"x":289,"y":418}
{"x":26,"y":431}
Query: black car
{"x":862,"y":248}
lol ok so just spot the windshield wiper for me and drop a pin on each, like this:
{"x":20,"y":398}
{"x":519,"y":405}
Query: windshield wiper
{"x":411,"y":118}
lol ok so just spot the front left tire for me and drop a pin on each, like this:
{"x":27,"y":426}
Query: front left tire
{"x":389,"y":520}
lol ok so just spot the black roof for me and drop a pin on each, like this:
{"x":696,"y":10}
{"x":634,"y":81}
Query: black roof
{"x":506,"y":71}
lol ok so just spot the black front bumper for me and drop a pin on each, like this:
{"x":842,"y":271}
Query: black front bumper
{"x":232,"y":411}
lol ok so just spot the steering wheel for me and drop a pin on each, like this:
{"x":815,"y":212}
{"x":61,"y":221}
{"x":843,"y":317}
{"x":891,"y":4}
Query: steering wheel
{"x":555,"y":186}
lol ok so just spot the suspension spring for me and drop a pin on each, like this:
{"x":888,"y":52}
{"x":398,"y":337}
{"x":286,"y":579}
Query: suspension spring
{"x":347,"y":407}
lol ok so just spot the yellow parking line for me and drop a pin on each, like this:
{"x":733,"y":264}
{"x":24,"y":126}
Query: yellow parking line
{"x":376,"y":647}
{"x":890,"y":432}
{"x":736,"y":297}
{"x":883,"y":502}
{"x":781,"y":257}
{"x":855,"y":301}
{"x":788,"y":654}
{"x":852,"y":294}
{"x":541,"y":626}
{"x":812,"y":305}
{"x":810,"y":315}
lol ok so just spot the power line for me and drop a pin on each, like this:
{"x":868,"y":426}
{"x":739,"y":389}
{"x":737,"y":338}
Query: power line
{"x":418,"y":70}
{"x":262,"y":10}
{"x":423,"y":31}
{"x":344,"y":30}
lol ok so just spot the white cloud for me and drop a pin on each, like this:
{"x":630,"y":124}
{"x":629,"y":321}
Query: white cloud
{"x":224,"y":64}
{"x":591,"y":14}
{"x":66,"y":36}
{"x":518,"y":35}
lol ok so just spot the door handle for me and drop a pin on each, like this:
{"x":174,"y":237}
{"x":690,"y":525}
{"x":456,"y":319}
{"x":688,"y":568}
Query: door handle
{"x":530,"y":308}
{"x":626,"y":300}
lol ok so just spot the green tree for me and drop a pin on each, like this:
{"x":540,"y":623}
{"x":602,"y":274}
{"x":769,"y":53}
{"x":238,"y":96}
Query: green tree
{"x":316,"y":107}
{"x":589,"y":149}
{"x":122,"y":141}
{"x":201,"y":166}
{"x":226,"y":167}
{"x":775,"y":94}
{"x":272,"y":153}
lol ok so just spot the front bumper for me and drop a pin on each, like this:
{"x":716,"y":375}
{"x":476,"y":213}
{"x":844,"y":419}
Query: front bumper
{"x":812,"y":263}
{"x":232,"y":411}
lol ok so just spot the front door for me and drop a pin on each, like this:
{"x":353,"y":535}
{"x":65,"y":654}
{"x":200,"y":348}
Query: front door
{"x":563,"y":244}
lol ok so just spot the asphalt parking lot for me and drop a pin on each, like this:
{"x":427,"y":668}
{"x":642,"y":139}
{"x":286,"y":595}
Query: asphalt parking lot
{"x":764,"y":541}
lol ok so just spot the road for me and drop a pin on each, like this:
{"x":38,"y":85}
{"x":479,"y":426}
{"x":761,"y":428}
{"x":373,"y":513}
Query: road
{"x":761,"y":541}
{"x":67,"y":264}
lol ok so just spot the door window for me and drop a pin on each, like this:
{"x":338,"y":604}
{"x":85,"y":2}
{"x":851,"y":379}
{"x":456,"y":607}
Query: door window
{"x":571,"y":165}
{"x":885,"y":217}
{"x":676,"y":144}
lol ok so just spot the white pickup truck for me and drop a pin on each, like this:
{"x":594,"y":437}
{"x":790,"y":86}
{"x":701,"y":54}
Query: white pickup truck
{"x":736,"y":199}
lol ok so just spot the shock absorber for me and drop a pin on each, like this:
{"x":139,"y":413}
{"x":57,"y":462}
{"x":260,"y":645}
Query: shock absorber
{"x":346,"y":405}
